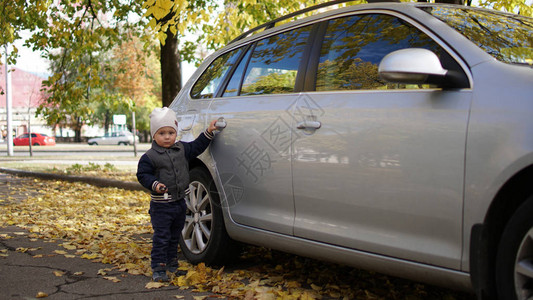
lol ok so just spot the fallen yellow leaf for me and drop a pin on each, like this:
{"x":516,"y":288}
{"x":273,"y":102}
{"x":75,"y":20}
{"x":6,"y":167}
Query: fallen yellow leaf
{"x":69,"y":246}
{"x":59,"y":273}
{"x":154,"y":285}
{"x":112,"y":278}
{"x":90,"y":256}
{"x":41,"y":295}
{"x":103,"y":271}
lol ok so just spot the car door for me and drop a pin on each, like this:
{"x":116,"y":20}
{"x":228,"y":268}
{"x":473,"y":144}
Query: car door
{"x":379,"y":167}
{"x":110,"y":139}
{"x":36,"y":140}
{"x":253,"y":153}
{"x":24,"y":140}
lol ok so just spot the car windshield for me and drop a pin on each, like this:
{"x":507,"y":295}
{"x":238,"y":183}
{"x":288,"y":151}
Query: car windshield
{"x":508,"y":38}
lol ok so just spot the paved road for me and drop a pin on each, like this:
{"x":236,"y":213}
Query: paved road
{"x":75,"y":149}
{"x":70,"y":154}
{"x":31,"y":266}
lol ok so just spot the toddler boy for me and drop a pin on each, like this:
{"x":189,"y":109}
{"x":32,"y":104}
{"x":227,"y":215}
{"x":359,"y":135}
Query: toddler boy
{"x":164,"y":169}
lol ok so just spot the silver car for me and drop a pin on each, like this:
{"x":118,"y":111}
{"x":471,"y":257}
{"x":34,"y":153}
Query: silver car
{"x":391,"y":137}
{"x":114,"y":138}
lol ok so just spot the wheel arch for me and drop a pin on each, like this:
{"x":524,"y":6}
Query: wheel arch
{"x":197,"y":163}
{"x":486,"y":237}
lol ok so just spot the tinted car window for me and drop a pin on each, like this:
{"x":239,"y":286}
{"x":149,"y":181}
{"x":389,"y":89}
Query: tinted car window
{"x":209,"y":81}
{"x":274,"y":63}
{"x":506,"y":37}
{"x":354,"y":46}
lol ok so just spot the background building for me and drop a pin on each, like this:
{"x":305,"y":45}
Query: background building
{"x":26,"y":97}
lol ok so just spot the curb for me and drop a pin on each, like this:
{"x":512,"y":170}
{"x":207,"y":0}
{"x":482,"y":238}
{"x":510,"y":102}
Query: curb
{"x":101,"y":182}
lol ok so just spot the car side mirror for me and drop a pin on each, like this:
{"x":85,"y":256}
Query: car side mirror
{"x":412,"y":66}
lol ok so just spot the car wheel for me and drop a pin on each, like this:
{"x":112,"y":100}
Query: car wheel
{"x":36,"y":144}
{"x":514,"y":261}
{"x":93,"y":143}
{"x":204,"y":236}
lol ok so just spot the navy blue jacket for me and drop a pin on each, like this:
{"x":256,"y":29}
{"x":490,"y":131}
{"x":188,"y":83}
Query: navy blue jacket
{"x":175,"y":175}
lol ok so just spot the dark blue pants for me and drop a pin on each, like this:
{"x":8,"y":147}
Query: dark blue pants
{"x":167,"y":221}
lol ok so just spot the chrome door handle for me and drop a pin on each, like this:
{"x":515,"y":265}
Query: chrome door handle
{"x":221,"y":123}
{"x":309,"y":125}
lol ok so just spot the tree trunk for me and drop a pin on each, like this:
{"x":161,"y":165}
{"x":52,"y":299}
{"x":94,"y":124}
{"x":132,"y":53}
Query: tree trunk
{"x":107,"y":121}
{"x":170,"y":69}
{"x":77,"y":130}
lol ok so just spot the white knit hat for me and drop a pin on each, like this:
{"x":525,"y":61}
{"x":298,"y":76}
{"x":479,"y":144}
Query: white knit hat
{"x":162,"y":117}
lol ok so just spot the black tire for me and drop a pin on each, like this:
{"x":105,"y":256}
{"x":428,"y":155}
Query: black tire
{"x":36,"y":144}
{"x":514,"y":260}
{"x":93,"y":143}
{"x":204,"y":237}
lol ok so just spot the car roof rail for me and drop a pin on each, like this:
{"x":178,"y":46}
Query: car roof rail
{"x":271,"y":24}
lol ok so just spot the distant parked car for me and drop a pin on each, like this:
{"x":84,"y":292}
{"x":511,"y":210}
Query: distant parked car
{"x":114,"y":138}
{"x":37,"y":139}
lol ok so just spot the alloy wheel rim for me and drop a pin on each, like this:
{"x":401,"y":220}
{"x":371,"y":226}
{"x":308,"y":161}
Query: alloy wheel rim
{"x":523,"y":275}
{"x":198,"y":218}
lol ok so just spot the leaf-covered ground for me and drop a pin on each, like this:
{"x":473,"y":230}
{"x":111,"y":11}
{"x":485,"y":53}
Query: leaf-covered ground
{"x":112,"y":226}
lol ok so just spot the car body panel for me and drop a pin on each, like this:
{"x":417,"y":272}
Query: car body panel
{"x":494,"y":152}
{"x":383,"y":161}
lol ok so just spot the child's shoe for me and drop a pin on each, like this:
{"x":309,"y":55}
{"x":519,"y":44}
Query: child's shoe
{"x":160,"y":276}
{"x":160,"y":273}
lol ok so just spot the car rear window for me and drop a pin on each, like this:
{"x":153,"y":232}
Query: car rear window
{"x":274,"y":63}
{"x":209,"y":82}
{"x":271,"y":66}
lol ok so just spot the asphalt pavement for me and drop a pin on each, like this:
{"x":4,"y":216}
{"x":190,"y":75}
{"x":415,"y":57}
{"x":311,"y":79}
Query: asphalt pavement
{"x":66,"y":150}
{"x":31,"y":268}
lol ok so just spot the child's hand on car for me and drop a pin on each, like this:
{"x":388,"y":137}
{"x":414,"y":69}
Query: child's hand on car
{"x":212,"y":126}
